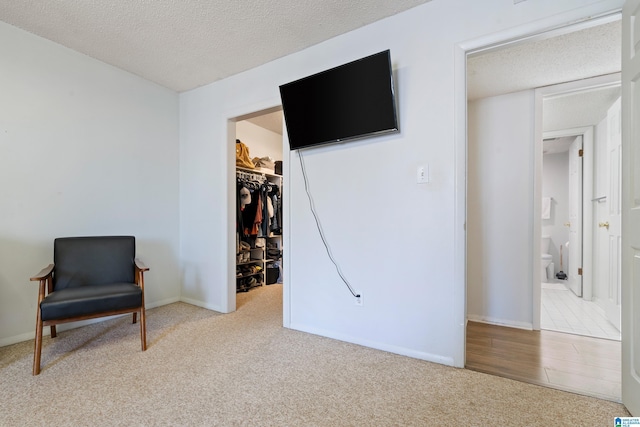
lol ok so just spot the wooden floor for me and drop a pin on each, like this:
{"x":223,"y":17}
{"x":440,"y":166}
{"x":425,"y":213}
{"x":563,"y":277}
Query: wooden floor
{"x":584,"y":365}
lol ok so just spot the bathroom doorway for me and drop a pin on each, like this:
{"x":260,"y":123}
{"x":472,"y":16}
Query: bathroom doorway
{"x":563,"y":186}
{"x":579,"y":179}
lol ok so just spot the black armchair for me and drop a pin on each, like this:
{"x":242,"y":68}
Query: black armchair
{"x":91,"y":277}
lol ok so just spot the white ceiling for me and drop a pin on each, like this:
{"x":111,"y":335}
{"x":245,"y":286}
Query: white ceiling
{"x":542,"y":62}
{"x":184,"y":44}
{"x":270,"y":121}
{"x":557,"y":145}
{"x":575,"y":110}
{"x":579,"y":109}
{"x":548,"y":61}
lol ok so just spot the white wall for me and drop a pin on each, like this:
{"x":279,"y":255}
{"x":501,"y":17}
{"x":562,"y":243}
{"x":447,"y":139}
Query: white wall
{"x":500,"y":209}
{"x":85,"y":149}
{"x":260,"y":141}
{"x":395,"y":239}
{"x":555,"y":184}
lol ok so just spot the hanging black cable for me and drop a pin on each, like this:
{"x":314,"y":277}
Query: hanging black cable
{"x":315,"y":216}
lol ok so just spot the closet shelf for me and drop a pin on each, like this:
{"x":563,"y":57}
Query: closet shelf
{"x":259,"y":171}
{"x":245,"y":288}
{"x":252,"y":261}
{"x":249,"y":275}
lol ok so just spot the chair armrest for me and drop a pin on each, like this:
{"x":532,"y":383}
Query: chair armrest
{"x":44,"y":273}
{"x":140,"y":265}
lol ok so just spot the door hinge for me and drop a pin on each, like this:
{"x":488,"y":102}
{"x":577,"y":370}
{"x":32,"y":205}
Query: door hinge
{"x":580,"y":271}
{"x":580,"y":152}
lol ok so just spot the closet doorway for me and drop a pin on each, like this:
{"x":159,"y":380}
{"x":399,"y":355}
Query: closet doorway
{"x":257,"y":191}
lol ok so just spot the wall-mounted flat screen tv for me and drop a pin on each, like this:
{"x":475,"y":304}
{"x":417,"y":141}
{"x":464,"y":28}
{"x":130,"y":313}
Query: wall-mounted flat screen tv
{"x":351,"y":101}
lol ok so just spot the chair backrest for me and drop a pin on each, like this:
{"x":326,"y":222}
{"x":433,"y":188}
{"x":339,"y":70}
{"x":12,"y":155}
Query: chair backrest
{"x":85,"y":261}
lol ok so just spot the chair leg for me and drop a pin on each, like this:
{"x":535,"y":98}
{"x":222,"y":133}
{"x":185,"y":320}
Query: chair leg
{"x":37,"y":350}
{"x":53,"y":331}
{"x":135,"y":317}
{"x":143,"y":329}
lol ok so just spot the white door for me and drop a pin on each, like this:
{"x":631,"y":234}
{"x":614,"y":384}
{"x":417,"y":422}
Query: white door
{"x":574,"y":265}
{"x":631,"y":206}
{"x":610,"y":224}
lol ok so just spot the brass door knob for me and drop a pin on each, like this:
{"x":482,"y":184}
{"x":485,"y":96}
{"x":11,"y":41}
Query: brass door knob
{"x":604,"y":224}
{"x":567,"y":224}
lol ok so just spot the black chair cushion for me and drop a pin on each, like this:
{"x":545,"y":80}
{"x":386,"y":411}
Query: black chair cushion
{"x":88,"y":300}
{"x":81,"y":261}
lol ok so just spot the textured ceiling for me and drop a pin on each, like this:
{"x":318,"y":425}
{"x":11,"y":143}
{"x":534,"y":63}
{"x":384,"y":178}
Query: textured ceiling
{"x":581,"y":54}
{"x":538,"y":63}
{"x":186,"y":44}
{"x":584,"y":108}
{"x":183,"y":44}
{"x":575,"y":110}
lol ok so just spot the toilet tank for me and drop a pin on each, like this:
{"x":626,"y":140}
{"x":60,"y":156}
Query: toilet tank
{"x":544,"y":244}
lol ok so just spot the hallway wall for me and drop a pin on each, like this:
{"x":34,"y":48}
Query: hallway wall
{"x":500,"y":209}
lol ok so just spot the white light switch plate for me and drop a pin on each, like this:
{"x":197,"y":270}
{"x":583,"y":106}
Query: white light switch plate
{"x":422,"y":176}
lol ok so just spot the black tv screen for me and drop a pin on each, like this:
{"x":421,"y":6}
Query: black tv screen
{"x":350,"y":101}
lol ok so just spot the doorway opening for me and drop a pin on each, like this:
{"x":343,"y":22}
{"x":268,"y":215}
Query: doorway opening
{"x":579,"y":176}
{"x":504,"y":196}
{"x":257,"y":190}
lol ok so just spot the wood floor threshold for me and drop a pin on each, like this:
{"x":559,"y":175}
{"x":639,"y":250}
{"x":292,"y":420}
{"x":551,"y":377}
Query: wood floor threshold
{"x":572,"y":363}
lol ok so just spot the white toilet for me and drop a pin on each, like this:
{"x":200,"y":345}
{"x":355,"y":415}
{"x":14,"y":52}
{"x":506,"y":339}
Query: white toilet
{"x":546,"y":262}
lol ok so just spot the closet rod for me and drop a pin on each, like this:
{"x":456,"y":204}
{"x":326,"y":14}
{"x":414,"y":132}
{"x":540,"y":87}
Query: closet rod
{"x":251,"y":175}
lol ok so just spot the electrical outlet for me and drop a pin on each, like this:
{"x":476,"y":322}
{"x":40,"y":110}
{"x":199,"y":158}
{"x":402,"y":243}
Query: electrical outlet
{"x":359,"y":300}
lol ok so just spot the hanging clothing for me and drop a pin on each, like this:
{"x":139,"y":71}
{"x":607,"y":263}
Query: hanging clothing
{"x":256,"y":229}
{"x":258,"y":206}
{"x":276,"y":220}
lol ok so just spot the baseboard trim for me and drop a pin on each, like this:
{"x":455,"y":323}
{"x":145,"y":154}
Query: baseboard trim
{"x":167,"y":301}
{"x":202,"y":304}
{"x":21,"y":338}
{"x":435,"y":358}
{"x":500,"y":322}
{"x":67,"y":326}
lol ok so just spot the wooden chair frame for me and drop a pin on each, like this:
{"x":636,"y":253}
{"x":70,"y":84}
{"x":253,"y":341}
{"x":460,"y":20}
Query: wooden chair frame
{"x":45,"y":277}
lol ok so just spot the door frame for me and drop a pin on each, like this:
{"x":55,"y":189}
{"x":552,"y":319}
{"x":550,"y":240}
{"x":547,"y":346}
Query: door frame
{"x":586,"y":133}
{"x":588,"y":218}
{"x":630,"y":216}
{"x":571,"y":21}
{"x":229,"y":292}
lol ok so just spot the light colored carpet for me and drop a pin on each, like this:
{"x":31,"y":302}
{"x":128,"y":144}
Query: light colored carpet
{"x":244,"y":369}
